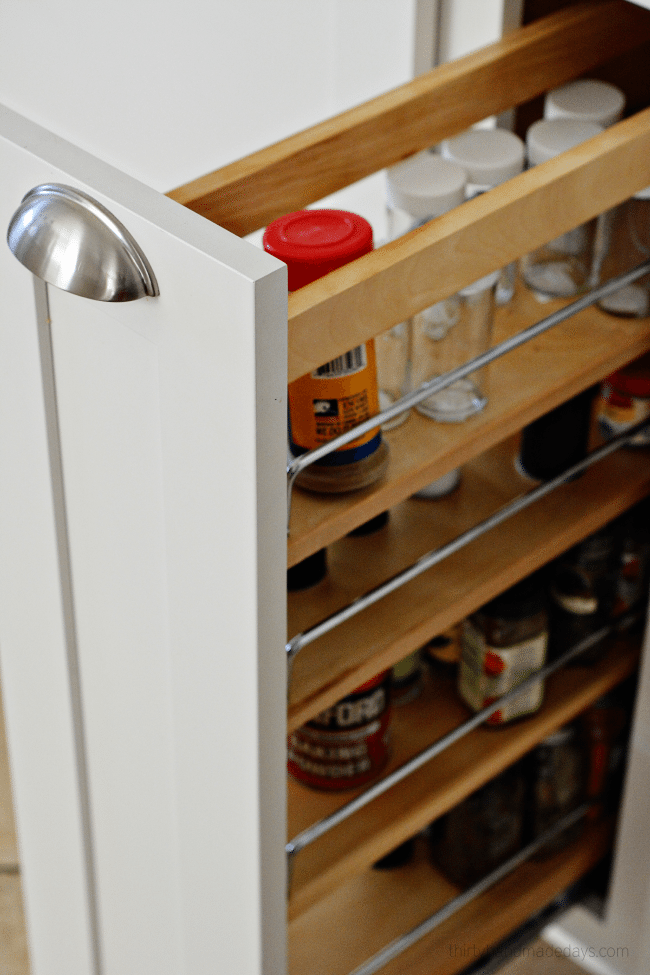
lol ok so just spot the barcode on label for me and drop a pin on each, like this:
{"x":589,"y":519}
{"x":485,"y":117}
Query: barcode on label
{"x":344,"y":365}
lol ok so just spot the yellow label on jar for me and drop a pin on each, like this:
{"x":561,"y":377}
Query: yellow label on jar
{"x":335,"y":398}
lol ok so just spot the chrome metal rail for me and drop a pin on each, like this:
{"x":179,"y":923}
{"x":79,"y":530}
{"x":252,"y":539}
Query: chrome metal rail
{"x":298,"y":464}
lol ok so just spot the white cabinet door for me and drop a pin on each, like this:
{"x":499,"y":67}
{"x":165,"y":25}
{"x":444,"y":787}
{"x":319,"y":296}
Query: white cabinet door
{"x":144,"y":682}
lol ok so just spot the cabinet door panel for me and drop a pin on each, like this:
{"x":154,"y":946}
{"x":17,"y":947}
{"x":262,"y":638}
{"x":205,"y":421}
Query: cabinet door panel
{"x":141,"y":744}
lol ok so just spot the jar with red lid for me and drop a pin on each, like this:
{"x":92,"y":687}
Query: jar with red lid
{"x":625,"y":401}
{"x":347,"y":744}
{"x":340,"y":394}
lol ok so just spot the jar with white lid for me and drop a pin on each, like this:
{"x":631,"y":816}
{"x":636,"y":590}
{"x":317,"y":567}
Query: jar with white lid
{"x":418,"y":189}
{"x":628,"y":244}
{"x":588,"y":99}
{"x":563,"y":267}
{"x":489,"y":157}
{"x":447,"y":335}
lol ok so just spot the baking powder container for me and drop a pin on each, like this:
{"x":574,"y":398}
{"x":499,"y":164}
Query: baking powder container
{"x":563,"y":267}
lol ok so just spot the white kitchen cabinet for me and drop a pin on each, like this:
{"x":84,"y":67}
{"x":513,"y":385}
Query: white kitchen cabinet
{"x":163,"y":759}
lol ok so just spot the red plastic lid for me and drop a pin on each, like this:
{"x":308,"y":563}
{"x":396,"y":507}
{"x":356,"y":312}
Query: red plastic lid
{"x":633,"y":379}
{"x":314,"y":242}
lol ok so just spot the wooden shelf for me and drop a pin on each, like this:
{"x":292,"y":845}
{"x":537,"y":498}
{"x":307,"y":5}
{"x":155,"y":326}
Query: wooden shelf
{"x":522,"y":385}
{"x":333,"y":666}
{"x":440,"y":784}
{"x":370,"y":910}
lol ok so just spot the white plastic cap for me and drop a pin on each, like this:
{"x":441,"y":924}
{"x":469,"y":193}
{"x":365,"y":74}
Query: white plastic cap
{"x":481,"y":285}
{"x":643,"y":194}
{"x":489,"y":156}
{"x":586,"y":99}
{"x":426,"y":185}
{"x":549,"y":137}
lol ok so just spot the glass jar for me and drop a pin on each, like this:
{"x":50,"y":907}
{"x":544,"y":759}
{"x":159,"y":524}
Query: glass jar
{"x":340,"y":394}
{"x":447,"y":335}
{"x":563,"y":267}
{"x":586,"y":99}
{"x":418,"y":189}
{"x":625,"y":401}
{"x":482,"y":831}
{"x":489,"y":157}
{"x":582,"y":594}
{"x":557,"y":440}
{"x":627,"y":244}
{"x":503,"y":644}
{"x":557,"y":785}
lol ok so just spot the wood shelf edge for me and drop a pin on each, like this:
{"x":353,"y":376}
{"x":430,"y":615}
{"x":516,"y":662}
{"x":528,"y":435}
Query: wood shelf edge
{"x":513,"y":550}
{"x":372,"y":909}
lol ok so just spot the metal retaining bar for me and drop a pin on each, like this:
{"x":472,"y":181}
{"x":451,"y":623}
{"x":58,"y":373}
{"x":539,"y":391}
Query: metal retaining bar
{"x":298,"y":464}
{"x":399,"y":945}
{"x":435,"y":556}
{"x":323,"y":826}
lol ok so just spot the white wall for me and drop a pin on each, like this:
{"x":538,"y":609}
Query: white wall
{"x":169,"y":91}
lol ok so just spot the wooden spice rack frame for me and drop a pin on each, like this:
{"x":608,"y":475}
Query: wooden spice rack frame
{"x":363,"y":299}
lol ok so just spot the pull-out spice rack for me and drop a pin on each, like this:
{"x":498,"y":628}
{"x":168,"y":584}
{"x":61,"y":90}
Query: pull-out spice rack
{"x":332,"y":888}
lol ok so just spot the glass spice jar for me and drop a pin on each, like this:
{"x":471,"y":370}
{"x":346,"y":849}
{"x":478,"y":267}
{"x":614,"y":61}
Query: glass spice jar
{"x":556,"y":786}
{"x":502,"y":644}
{"x":482,"y":831}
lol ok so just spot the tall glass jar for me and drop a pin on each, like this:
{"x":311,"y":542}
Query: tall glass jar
{"x":419,"y":189}
{"x":489,"y":157}
{"x":628,"y":244}
{"x":447,"y":335}
{"x":564,"y":266}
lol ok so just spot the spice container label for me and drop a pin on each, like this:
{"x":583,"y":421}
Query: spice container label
{"x":488,"y":672}
{"x":347,"y":744}
{"x":618,"y":410}
{"x":333,"y":399}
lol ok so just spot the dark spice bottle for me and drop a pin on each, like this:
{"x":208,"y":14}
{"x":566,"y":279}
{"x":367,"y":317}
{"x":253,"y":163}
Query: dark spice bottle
{"x":481,"y":832}
{"x":556,"y":786}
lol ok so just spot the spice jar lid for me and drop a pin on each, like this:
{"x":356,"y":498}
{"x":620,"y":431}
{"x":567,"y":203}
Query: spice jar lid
{"x":588,"y":99}
{"x":634,"y":378}
{"x":426,"y":185}
{"x":549,"y":137}
{"x":488,"y":156}
{"x":314,"y":242}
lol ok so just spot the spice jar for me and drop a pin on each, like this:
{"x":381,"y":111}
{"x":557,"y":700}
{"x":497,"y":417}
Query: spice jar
{"x":502,"y":644}
{"x":557,"y":440}
{"x":340,"y":394}
{"x":489,"y":157}
{"x":563,"y":267}
{"x":632,"y":577}
{"x":307,"y":573}
{"x":418,"y":189}
{"x":627,"y":244}
{"x":347,"y":744}
{"x":625,"y":401}
{"x":481,"y":832}
{"x":556,"y":786}
{"x":582,"y":594}
{"x":406,"y":679}
{"x":587,"y":99}
{"x":605,"y":728}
